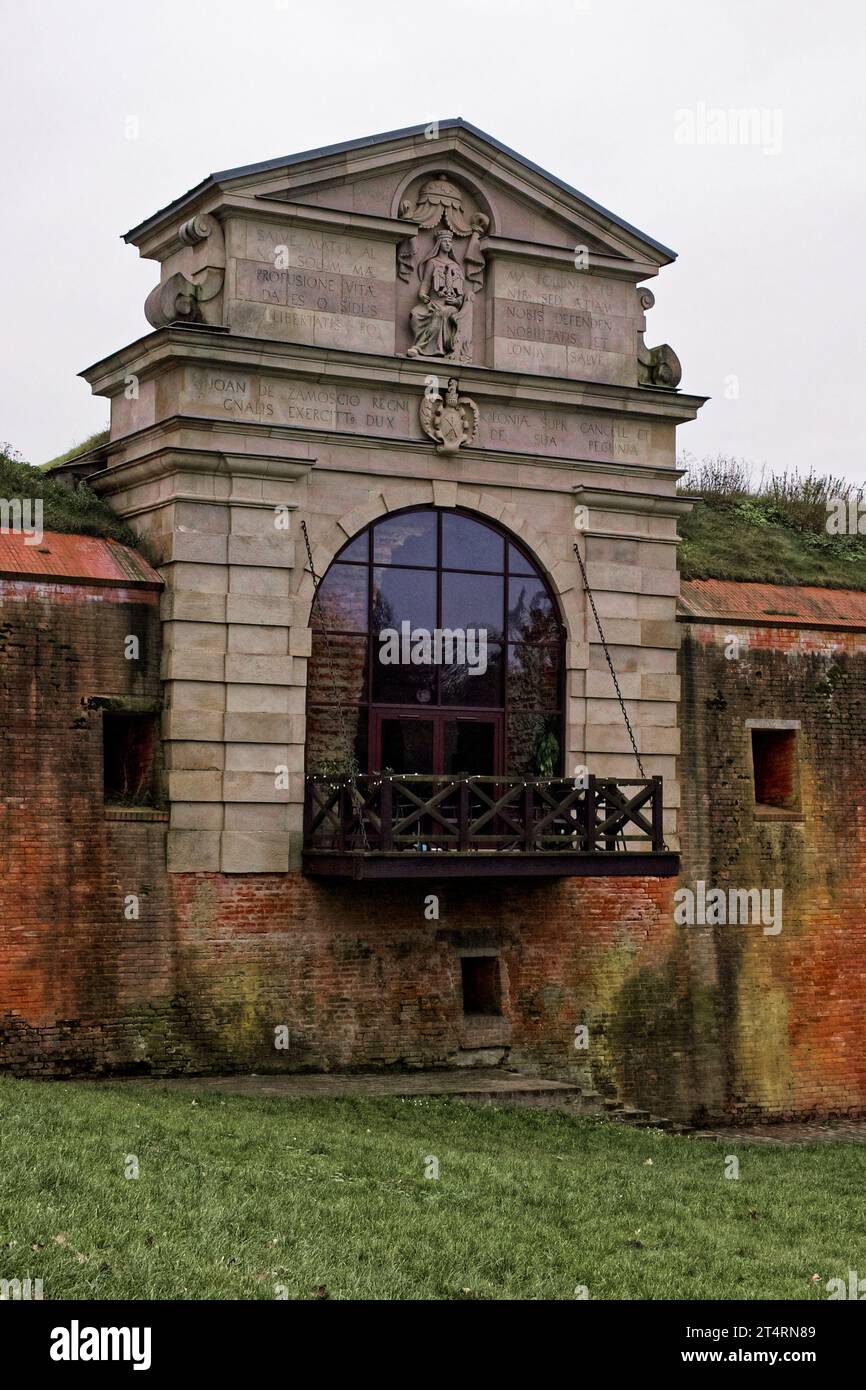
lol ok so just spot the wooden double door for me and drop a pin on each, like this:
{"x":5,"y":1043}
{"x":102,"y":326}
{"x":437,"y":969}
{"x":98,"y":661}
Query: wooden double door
{"x":446,"y":742}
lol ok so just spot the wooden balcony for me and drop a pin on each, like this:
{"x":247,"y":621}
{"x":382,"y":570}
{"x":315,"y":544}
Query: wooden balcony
{"x":422,"y":825}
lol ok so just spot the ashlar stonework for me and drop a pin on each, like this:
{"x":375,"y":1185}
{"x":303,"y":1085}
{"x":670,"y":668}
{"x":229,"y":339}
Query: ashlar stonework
{"x":303,"y":311}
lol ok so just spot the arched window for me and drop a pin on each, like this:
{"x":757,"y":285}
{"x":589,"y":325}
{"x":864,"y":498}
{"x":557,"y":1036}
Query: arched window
{"x":437,"y":648}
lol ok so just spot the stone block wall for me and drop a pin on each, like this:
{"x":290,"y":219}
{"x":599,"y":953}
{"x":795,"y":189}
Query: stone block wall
{"x":224,"y":527}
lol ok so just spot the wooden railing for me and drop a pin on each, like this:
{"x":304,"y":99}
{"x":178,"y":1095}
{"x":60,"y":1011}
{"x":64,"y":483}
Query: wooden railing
{"x":421,"y":814}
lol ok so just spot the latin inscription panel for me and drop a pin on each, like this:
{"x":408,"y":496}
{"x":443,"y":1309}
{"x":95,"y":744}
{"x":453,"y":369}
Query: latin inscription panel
{"x":304,"y":286}
{"x":555,"y":433}
{"x":564,"y":323}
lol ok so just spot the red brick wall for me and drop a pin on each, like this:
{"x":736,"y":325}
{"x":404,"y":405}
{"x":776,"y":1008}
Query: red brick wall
{"x":779,"y":1020}
{"x":67,"y":953}
{"x":362,"y":978}
{"x":684,"y":1020}
{"x":358,"y":974}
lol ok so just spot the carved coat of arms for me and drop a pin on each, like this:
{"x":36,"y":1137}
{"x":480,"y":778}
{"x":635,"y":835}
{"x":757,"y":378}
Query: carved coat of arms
{"x":450,"y":422}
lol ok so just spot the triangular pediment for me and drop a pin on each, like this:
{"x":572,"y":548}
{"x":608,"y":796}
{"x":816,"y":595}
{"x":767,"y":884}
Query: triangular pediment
{"x":379,"y":176}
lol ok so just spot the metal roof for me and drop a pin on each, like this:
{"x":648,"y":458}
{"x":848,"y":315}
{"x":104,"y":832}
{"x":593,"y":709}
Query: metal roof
{"x":75,"y":559}
{"x":772,"y":605}
{"x":451,"y":123}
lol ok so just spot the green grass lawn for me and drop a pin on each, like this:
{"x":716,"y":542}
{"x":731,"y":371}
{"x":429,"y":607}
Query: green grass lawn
{"x":327,"y":1198}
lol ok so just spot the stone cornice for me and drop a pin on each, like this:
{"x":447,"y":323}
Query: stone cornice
{"x":174,"y":462}
{"x":272,"y":209}
{"x":164,"y":240}
{"x":166,"y":347}
{"x":158,"y":438}
{"x":617,"y":500}
{"x":562,"y":257}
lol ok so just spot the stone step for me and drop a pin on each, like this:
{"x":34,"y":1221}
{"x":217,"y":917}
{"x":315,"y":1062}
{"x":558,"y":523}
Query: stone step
{"x":479,"y":1085}
{"x":469,"y":1082}
{"x":572,"y":1104}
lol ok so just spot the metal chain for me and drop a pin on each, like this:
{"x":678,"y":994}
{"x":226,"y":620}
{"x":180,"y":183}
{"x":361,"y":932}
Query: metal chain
{"x":354,"y":790}
{"x":608,"y":660}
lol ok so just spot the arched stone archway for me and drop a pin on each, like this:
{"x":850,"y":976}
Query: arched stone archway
{"x":561,"y":579}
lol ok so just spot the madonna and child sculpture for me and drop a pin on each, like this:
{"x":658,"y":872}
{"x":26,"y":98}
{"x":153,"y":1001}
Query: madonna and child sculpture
{"x":442,"y":319}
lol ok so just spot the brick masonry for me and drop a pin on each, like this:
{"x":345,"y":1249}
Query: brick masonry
{"x":776,"y":1021}
{"x":361,"y":975}
{"x":716,"y":1022}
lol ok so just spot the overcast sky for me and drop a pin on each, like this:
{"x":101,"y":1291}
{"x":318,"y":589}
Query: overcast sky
{"x":621,"y":98}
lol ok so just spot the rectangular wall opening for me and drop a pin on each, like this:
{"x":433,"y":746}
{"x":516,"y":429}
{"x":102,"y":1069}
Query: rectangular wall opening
{"x":774,"y":764}
{"x":482,"y":985}
{"x":128,"y":759}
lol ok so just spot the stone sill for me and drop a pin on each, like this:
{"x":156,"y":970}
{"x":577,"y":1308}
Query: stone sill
{"x":777,"y":813}
{"x":135,"y":813}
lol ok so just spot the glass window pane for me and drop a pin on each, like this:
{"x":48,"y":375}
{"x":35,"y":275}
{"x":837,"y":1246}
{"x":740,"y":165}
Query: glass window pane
{"x":409,"y":539}
{"x":473,"y":601}
{"x":469,"y":746}
{"x":474,"y":682}
{"x":467,"y":545}
{"x":532,"y":745}
{"x":402,"y":684}
{"x":358,"y":549}
{"x":403,"y":596}
{"x":349,"y":674}
{"x":531,"y":617}
{"x":518,"y":563}
{"x":407,"y":745}
{"x":342,"y":599}
{"x":533,"y":677}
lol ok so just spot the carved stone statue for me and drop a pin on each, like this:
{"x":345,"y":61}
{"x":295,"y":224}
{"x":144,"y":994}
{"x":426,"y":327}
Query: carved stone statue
{"x":452,"y":422}
{"x":438,"y":319}
{"x":442,"y":320}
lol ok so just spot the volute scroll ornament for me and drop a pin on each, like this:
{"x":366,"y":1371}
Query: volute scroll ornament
{"x":195,"y":229}
{"x":658,"y":366}
{"x":179,"y":299}
{"x":451,"y":422}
